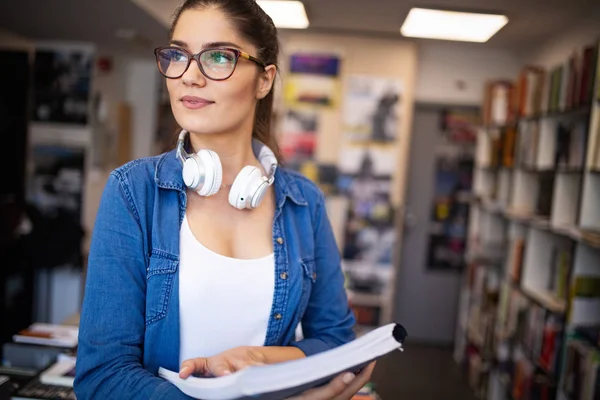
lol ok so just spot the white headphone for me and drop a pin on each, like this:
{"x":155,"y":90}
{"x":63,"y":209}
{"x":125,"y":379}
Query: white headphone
{"x":202,"y":172}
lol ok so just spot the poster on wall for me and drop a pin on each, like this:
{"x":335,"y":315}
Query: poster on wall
{"x":365,"y":179}
{"x":298,"y":137}
{"x":313,"y":80}
{"x":371,"y":109}
{"x":367,"y":164}
{"x":62,"y":84}
{"x":367,"y":158}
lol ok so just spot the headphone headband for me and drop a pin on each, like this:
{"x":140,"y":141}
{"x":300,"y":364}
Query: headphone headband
{"x":265,"y":155}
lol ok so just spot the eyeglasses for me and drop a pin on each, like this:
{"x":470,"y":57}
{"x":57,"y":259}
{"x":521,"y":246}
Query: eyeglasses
{"x":216,"y":64}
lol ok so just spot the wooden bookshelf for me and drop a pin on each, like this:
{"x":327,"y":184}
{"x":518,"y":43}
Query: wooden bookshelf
{"x":535,"y":236}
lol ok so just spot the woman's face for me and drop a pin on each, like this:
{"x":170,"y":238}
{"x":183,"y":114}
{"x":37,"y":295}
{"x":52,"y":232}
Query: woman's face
{"x":217,"y":106}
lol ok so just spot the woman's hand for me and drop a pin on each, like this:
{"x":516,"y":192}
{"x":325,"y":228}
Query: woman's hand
{"x":237,"y":358}
{"x":342,"y":387}
{"x":224,"y":363}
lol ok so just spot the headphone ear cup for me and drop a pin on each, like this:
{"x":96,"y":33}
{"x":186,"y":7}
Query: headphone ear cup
{"x":240,"y":194}
{"x":213,"y":172}
{"x":191,"y":172}
{"x":203,"y":170}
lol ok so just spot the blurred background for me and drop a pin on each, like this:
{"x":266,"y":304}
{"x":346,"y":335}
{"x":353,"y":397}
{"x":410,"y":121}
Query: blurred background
{"x":458,"y":154}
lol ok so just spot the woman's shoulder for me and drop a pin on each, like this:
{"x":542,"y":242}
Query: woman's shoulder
{"x":144,"y":170}
{"x":301,"y":186}
{"x":145,"y":166}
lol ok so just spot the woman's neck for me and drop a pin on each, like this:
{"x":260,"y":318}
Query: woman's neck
{"x":234,"y":151}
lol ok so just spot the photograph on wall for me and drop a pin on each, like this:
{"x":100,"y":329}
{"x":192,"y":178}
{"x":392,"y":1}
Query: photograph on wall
{"x":376,"y":159}
{"x":62,"y":84}
{"x":313,"y":80}
{"x":371,"y":109}
{"x":298,"y":136}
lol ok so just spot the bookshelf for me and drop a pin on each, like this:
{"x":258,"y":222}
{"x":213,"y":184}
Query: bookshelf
{"x":529,"y":309}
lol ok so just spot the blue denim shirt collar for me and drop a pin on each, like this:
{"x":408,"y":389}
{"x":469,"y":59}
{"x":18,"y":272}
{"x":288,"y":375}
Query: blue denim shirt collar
{"x":168,"y":176}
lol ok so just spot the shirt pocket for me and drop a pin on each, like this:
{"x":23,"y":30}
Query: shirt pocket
{"x":159,"y":285}
{"x":309,"y":277}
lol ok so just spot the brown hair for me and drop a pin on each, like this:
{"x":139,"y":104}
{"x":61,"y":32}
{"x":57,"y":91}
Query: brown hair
{"x":258,"y":28}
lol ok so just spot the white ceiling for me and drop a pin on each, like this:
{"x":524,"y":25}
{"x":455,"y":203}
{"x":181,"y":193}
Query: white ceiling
{"x":531,"y":22}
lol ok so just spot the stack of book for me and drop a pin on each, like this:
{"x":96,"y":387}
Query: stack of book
{"x":40,"y":362}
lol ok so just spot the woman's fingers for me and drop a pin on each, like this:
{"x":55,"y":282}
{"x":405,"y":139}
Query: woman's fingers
{"x":193,"y":366}
{"x":329,"y":391}
{"x":357,"y":383}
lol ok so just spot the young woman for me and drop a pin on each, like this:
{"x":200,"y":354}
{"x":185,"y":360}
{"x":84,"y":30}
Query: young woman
{"x":204,"y":260}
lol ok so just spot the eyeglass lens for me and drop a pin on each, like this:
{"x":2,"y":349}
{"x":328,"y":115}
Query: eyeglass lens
{"x":216,"y":63}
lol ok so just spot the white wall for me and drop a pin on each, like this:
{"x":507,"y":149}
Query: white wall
{"x":558,"y":48}
{"x":142,"y":95}
{"x":455,"y":73}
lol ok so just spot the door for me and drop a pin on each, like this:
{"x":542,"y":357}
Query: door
{"x":16,"y":278}
{"x":427,"y":292}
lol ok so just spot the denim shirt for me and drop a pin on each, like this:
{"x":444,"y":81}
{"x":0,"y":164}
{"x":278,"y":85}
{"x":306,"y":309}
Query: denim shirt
{"x":129,"y":323}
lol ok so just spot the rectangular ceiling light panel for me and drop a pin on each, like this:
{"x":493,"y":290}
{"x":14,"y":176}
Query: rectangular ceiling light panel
{"x":285,"y":14}
{"x":452,"y":25}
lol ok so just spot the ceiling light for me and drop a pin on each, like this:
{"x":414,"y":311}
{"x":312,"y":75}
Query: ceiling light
{"x":285,"y":14}
{"x":452,"y":25}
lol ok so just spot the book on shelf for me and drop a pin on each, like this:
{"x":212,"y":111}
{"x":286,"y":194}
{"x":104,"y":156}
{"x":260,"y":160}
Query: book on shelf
{"x":542,"y":388}
{"x":572,"y":89}
{"x":509,"y":140}
{"x":581,"y":371}
{"x":589,"y":333}
{"x":278,"y":381}
{"x":516,"y":265}
{"x":588,"y":65}
{"x":550,"y":346}
{"x":545,"y":194}
{"x":554,"y":95}
{"x":498,"y":106}
{"x":61,"y":373}
{"x":570,"y":144}
{"x":594,"y":139}
{"x":534,"y":331}
{"x":48,"y":335}
{"x":529,"y":91}
{"x":523,"y":373}
{"x":587,"y":286}
{"x":560,"y":268}
{"x":527,"y":144}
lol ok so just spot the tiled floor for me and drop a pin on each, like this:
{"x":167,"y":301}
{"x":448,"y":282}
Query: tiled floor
{"x":421,"y":372}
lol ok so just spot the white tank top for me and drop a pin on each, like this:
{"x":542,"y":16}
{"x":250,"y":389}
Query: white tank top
{"x":223,"y":302}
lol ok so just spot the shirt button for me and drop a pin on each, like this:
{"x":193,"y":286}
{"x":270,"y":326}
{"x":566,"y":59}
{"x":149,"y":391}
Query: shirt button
{"x":278,"y":316}
{"x":280,"y":240}
{"x":314,"y":276}
{"x":283,"y":275}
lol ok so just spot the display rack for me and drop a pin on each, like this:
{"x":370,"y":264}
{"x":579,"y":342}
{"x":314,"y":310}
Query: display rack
{"x":529,"y":313}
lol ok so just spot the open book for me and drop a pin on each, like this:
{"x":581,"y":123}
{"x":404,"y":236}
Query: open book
{"x":278,"y":381}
